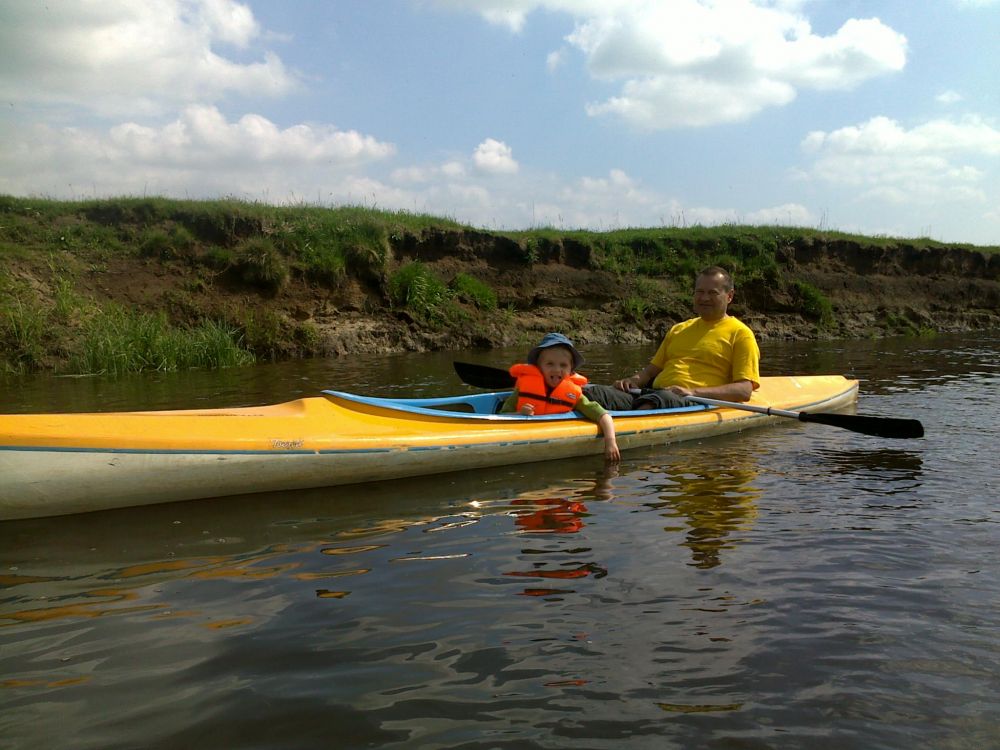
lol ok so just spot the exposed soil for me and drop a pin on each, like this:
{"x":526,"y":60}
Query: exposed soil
{"x":873,"y":291}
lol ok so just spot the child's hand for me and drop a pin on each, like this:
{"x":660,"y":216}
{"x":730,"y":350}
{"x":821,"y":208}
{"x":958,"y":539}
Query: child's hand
{"x":528,"y":410}
{"x":611,"y":452}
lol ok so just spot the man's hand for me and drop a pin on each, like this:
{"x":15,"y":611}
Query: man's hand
{"x":627,"y":384}
{"x":679,"y":390}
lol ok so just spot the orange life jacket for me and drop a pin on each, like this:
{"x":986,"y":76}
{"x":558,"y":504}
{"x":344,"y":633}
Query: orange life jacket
{"x":531,"y":390}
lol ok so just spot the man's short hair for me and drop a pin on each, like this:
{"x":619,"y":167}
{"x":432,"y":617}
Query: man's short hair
{"x":727,"y":279}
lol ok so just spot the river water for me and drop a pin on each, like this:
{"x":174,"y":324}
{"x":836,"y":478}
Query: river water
{"x":797,"y":586}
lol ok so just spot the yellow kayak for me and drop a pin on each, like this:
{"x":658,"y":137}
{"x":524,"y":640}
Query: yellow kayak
{"x":54,"y":464}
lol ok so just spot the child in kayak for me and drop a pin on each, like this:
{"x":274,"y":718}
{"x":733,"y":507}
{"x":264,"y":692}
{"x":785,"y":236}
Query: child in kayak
{"x":550,"y":384}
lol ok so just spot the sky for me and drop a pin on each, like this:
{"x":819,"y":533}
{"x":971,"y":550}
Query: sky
{"x":878,"y":117}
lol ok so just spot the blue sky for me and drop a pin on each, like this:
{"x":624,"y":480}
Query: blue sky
{"x":878,"y":117}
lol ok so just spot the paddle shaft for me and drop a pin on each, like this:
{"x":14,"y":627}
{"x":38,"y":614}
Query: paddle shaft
{"x":769,"y":410}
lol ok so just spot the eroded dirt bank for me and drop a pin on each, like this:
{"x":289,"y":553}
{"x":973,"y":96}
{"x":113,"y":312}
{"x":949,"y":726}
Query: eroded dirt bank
{"x":802,"y":285}
{"x":871,"y":292}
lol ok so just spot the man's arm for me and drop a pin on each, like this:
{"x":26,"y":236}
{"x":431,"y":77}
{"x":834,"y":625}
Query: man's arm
{"x":739,"y":391}
{"x":641,"y":379}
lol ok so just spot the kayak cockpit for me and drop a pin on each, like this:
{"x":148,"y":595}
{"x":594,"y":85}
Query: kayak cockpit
{"x":480,"y":405}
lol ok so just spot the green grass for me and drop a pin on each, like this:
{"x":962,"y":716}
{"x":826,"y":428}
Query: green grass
{"x":815,"y":304}
{"x":72,"y":335}
{"x":416,"y":289}
{"x":117,"y":341}
{"x":23,"y":326}
{"x":470,"y":289}
{"x":261,"y":264}
{"x":645,"y":299}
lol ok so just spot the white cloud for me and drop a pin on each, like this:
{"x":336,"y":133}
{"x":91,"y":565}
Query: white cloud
{"x":411,"y":175}
{"x":200,"y":152}
{"x":928,"y":163}
{"x":453,"y":169}
{"x":122,"y":57}
{"x":788,"y":214}
{"x":494,"y":157}
{"x":511,"y":14}
{"x":948,"y":97}
{"x":682,"y":100}
{"x":882,"y":135}
{"x":691,"y":63}
{"x":450,"y":170}
{"x":555,"y":60}
{"x":229,"y":21}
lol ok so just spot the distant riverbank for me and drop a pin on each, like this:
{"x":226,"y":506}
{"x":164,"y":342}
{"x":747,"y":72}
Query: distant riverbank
{"x":149,"y":283}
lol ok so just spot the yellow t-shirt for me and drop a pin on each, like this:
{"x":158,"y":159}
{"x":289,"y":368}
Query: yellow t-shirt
{"x":696,"y":353}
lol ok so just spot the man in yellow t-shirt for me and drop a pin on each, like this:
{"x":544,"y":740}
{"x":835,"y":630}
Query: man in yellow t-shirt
{"x":713,"y":356}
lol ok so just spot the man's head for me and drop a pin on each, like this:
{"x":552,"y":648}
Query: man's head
{"x":713,"y":291}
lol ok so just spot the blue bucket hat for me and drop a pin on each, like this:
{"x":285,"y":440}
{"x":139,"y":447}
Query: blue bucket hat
{"x":555,"y":339}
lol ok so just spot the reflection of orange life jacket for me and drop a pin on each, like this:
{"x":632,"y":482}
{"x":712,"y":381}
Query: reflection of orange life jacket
{"x":531,"y":390}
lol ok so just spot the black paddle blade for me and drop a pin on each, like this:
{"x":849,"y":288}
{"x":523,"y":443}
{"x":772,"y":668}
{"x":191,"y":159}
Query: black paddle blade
{"x":886,"y":427}
{"x":484,"y":376}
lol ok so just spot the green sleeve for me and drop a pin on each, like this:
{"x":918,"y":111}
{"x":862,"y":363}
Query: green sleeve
{"x":590,"y":410}
{"x":510,"y":403}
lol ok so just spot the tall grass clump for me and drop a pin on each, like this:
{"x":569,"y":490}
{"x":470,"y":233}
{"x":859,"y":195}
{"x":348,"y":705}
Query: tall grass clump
{"x":328,"y":245}
{"x":643,"y":299}
{"x":261,"y":264}
{"x":415,"y":288}
{"x":265,"y":333}
{"x":23,"y":326}
{"x":117,"y":341}
{"x":470,"y":289}
{"x":157,"y":243}
{"x":312,"y":242}
{"x":366,"y":249}
{"x":815,"y":304}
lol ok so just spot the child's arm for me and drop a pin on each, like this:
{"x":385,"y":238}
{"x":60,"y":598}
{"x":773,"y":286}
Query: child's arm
{"x":596,"y":413}
{"x":611,"y":452}
{"x":509,"y":405}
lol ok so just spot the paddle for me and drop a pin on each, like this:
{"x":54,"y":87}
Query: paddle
{"x":887,"y":427}
{"x":483,"y":376}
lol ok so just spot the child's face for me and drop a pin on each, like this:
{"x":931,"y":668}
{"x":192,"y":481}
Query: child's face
{"x":555,"y":363}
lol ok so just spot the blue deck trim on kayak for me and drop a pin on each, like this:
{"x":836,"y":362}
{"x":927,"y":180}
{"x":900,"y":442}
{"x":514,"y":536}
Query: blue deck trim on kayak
{"x":484,"y":406}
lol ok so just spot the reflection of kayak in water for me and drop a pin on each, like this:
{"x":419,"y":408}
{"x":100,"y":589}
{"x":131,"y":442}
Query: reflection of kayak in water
{"x":55,"y":464}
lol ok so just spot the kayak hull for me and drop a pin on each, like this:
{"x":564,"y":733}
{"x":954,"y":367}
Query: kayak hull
{"x":56,"y":464}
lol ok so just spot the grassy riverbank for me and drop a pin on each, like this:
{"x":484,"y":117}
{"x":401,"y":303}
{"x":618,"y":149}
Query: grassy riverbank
{"x":149,"y":283}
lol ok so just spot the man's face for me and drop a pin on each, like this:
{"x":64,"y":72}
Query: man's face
{"x":711,"y":299}
{"x":556,"y":363}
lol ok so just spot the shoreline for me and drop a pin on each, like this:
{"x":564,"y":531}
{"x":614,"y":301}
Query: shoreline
{"x":248,"y":282}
